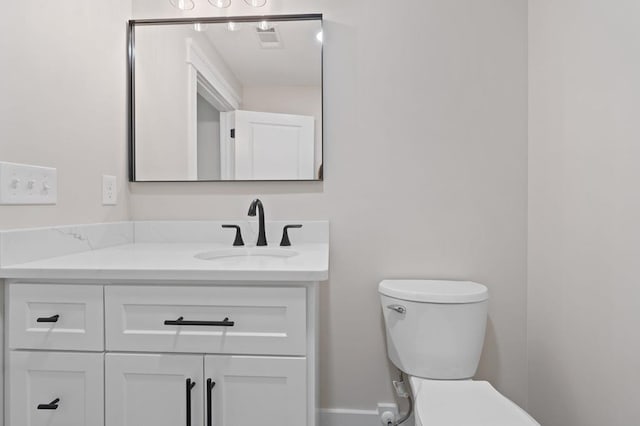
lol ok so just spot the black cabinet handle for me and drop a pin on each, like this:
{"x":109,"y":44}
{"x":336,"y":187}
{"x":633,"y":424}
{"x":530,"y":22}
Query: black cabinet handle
{"x":285,"y":242}
{"x":210,"y":385}
{"x":190,"y":384}
{"x":52,"y":318}
{"x":181,"y":321}
{"x":238,"y":241}
{"x":53,"y":405}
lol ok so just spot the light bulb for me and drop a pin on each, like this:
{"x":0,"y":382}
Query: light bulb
{"x":183,"y":4}
{"x":231,"y":26}
{"x":319,"y":36}
{"x":263,"y":25}
{"x":256,"y":3}
{"x":220,"y":3}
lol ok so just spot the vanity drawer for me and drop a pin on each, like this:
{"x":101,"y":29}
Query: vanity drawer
{"x":56,"y":317}
{"x":238,"y":320}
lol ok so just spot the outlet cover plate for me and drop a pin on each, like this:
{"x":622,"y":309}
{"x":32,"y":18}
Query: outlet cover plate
{"x":109,"y":190}
{"x":26,"y":184}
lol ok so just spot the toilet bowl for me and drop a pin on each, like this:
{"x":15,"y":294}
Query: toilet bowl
{"x":435,"y":332}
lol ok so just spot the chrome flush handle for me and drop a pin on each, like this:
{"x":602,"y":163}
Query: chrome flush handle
{"x":398,"y":308}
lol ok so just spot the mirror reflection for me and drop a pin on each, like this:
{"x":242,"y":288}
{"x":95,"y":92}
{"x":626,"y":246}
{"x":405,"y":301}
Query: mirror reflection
{"x":227,"y":100}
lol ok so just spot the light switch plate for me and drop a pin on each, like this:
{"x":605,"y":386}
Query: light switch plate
{"x":109,"y":190}
{"x":27,"y":184}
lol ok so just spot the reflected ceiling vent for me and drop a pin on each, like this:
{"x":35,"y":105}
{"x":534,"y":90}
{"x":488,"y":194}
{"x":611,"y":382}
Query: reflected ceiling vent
{"x":269,"y":37}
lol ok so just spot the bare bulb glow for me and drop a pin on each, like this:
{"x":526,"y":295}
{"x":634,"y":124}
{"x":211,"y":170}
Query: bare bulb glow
{"x":183,"y":4}
{"x":256,"y":3}
{"x":319,"y":36}
{"x":220,"y":3}
{"x":263,"y":25}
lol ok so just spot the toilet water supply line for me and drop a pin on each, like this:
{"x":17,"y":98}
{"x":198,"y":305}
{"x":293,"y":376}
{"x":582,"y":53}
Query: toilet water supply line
{"x":402,"y":392}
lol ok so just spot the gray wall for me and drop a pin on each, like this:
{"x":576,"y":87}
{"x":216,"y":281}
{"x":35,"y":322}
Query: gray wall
{"x":584,"y":233}
{"x":425,"y":166}
{"x":63,"y":104}
{"x":208,"y":140}
{"x":425,"y":110}
{"x":425,"y":174}
{"x":164,"y":149}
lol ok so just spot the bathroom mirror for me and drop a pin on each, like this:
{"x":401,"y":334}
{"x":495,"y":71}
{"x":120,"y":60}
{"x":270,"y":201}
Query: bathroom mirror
{"x":226,"y":99}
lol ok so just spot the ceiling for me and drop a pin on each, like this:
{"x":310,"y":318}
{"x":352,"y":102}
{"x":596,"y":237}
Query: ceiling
{"x":297,"y":62}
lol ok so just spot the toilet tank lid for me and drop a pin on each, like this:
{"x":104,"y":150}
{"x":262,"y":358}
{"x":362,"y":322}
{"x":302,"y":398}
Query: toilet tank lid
{"x":434,"y":291}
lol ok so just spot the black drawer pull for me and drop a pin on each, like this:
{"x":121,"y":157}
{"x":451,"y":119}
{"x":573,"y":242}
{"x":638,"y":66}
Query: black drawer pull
{"x":190,"y":384}
{"x":52,"y":318}
{"x":53,"y":405}
{"x":181,"y":321}
{"x":210,"y":385}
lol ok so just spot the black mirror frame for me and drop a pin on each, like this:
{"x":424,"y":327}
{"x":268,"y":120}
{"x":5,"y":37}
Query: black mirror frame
{"x":208,"y":20}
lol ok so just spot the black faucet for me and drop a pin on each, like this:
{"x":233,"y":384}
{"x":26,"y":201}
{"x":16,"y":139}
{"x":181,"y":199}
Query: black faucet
{"x":262,"y":238}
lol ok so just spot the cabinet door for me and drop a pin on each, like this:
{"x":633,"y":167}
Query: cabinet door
{"x":249,"y":391}
{"x":55,"y":389}
{"x":153,"y":390}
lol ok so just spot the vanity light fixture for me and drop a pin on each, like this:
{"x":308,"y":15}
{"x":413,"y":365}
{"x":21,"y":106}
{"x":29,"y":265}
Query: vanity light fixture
{"x":222,"y":4}
{"x":183,"y":4}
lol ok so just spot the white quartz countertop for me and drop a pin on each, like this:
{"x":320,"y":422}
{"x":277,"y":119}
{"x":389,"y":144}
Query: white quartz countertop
{"x":175,"y":261}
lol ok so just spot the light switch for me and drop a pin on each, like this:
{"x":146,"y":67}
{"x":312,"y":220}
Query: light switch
{"x":26,"y":184}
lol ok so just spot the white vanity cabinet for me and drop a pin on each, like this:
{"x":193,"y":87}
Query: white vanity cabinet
{"x":55,"y":389}
{"x":251,"y":391}
{"x":242,"y":320}
{"x":148,"y":354}
{"x":153,"y":389}
{"x":160,"y":389}
{"x":65,"y":317}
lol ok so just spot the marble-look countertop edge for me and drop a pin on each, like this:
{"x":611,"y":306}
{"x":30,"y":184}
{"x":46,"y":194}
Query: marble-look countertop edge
{"x":15,"y":273}
{"x":162,"y":262}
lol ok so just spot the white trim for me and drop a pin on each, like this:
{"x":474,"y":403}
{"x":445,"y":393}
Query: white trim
{"x":216,"y":83}
{"x":346,"y":417}
{"x":192,"y":123}
{"x":227,"y":146}
{"x":204,"y":78}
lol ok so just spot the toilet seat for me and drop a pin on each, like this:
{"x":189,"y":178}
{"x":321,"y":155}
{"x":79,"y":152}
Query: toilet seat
{"x":464,"y":403}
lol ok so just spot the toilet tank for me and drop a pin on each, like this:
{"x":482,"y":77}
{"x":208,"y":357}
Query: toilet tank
{"x":435,"y":329}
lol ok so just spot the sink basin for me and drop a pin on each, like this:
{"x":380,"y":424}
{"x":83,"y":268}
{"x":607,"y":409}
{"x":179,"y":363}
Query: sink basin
{"x":247,"y":253}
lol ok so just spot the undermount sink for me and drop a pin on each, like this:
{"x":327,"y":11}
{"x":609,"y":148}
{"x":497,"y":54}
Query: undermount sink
{"x":247,"y":252}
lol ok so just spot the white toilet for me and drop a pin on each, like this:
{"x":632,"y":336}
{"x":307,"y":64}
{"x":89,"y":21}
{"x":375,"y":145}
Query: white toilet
{"x":435,"y":333}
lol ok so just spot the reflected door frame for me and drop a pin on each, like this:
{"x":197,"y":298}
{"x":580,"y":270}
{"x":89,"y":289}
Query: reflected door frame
{"x":204,"y":79}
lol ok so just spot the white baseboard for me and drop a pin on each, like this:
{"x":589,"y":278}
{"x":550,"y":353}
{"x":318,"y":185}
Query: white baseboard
{"x":344,"y":417}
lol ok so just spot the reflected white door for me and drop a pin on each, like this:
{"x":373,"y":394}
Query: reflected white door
{"x":55,"y":389}
{"x":271,"y":146}
{"x":151,"y":389}
{"x":250,"y":391}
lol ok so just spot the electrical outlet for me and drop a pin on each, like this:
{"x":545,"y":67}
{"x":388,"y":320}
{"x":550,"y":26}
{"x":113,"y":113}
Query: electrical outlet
{"x":26,"y":184}
{"x":109,"y":190}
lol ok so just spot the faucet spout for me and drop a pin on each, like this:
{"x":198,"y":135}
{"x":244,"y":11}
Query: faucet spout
{"x":257,"y":204}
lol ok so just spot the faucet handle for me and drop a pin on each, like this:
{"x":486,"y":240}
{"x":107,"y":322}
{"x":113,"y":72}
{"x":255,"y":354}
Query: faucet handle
{"x":285,"y":242}
{"x":238,"y":241}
